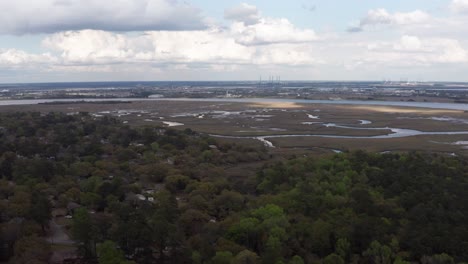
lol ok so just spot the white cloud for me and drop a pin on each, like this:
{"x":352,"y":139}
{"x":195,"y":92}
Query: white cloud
{"x":381,"y":17}
{"x":287,"y":54}
{"x":265,"y":42}
{"x":411,"y":51}
{"x":209,"y":47}
{"x":212,"y":47}
{"x":450,"y":50}
{"x":271,"y":31}
{"x":90,"y":46}
{"x":245,"y":13}
{"x":408,"y":43}
{"x":46,"y":16}
{"x":19,"y":58}
{"x":459,"y":6}
{"x":251,"y":45}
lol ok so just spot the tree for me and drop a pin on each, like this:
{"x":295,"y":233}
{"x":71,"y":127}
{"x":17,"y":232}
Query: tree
{"x":108,"y":253}
{"x":228,"y":201}
{"x":272,"y":253}
{"x":31,"y":250}
{"x":163,"y":230}
{"x":20,"y":203}
{"x":343,"y":248}
{"x":321,"y":231}
{"x":133,"y":233}
{"x":222,"y":257}
{"x":192,"y":221}
{"x":333,"y":259}
{"x":163,"y":233}
{"x":40,"y":210}
{"x":438,"y":259}
{"x":83,"y":231}
{"x":296,"y":260}
{"x":246,"y":232}
{"x":246,"y":257}
{"x":175,"y":183}
{"x":380,"y":254}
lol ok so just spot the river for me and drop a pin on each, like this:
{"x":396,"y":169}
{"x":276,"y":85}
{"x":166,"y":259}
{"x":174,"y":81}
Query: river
{"x":450,"y":106}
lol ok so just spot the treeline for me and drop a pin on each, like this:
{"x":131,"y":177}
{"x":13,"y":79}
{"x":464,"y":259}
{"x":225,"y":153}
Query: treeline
{"x":155,"y":195}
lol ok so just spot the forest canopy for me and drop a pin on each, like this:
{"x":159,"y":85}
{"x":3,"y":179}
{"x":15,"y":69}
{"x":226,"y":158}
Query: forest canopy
{"x":157,"y":195}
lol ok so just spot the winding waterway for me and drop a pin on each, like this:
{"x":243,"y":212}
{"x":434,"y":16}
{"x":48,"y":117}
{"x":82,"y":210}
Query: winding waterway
{"x":395,"y":133}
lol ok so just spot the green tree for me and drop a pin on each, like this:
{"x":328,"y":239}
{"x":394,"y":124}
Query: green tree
{"x":108,"y":253}
{"x":40,"y":210}
{"x":321,"y":232}
{"x":246,"y":232}
{"x":380,"y":254}
{"x":222,"y":257}
{"x":273,"y":250}
{"x":296,"y":260}
{"x":333,"y":259}
{"x":438,"y":259}
{"x":246,"y":257}
{"x":83,"y":231}
{"x":343,"y":248}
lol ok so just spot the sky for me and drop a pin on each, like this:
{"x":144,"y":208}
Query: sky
{"x":152,"y":40}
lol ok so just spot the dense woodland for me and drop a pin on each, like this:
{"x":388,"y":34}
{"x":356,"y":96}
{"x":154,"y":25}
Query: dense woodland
{"x":156,"y":195}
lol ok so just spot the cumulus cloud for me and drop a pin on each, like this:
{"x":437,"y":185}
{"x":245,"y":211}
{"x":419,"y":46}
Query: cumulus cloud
{"x":17,"y":58}
{"x":47,"y":16}
{"x":409,"y":43}
{"x":459,"y":6}
{"x":271,"y":31}
{"x":245,"y":13}
{"x":381,"y":17}
{"x":413,"y":51}
{"x":209,"y":47}
{"x":251,"y":43}
{"x":267,"y":41}
{"x":250,"y":28}
{"x":90,"y":46}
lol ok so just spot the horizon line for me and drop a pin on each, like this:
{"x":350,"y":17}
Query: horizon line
{"x":229,"y":81}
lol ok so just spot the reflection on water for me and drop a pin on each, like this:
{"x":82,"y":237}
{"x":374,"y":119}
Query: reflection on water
{"x":451,"y":106}
{"x":172,"y":124}
{"x":365,"y":122}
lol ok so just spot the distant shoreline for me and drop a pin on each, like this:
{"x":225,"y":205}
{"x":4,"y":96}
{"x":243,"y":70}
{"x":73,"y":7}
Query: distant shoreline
{"x":450,"y":106}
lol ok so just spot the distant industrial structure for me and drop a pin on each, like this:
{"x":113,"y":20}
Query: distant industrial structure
{"x":272,"y":82}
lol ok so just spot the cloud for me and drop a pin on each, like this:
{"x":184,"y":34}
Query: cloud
{"x":381,"y":17}
{"x":267,"y":41}
{"x":245,"y":13}
{"x":271,"y":31}
{"x":459,"y":6}
{"x":208,"y":47}
{"x":19,"y":58}
{"x":409,"y":43}
{"x":252,"y":44}
{"x":90,"y":46}
{"x":411,"y":51}
{"x":249,"y":28}
{"x":48,"y":16}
